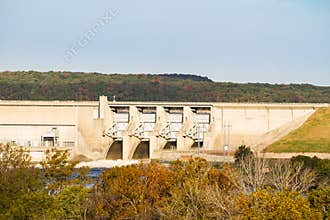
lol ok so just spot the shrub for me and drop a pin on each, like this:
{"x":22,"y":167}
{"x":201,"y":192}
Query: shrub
{"x":267,"y":204}
{"x":320,"y":200}
{"x":242,"y":152}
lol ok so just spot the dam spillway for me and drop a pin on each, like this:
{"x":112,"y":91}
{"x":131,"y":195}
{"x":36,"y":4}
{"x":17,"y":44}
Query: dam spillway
{"x":125,"y":130}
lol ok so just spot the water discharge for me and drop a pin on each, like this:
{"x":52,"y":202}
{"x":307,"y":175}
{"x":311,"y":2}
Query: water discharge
{"x":106,"y":163}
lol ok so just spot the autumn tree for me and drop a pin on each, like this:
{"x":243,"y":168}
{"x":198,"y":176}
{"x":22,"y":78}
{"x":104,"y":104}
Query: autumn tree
{"x":131,"y":192}
{"x":200,"y":191}
{"x":268,"y":204}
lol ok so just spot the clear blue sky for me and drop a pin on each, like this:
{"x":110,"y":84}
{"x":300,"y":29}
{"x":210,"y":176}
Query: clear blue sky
{"x":276,"y":41}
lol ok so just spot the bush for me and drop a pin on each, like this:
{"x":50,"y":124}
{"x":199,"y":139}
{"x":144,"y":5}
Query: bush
{"x":320,"y":200}
{"x":131,"y":192}
{"x":321,"y":166}
{"x":242,"y":153}
{"x":266,"y":204}
{"x":27,"y":192}
{"x":183,"y":190}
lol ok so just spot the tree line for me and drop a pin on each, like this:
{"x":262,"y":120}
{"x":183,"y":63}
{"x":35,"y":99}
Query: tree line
{"x":250,"y":188}
{"x":32,"y":85}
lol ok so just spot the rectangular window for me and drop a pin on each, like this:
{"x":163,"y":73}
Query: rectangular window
{"x":175,"y":117}
{"x":148,"y":117}
{"x":68,"y":144}
{"x":202,"y":118}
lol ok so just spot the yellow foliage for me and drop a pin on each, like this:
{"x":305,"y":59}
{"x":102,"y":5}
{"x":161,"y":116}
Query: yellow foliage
{"x":267,"y":204}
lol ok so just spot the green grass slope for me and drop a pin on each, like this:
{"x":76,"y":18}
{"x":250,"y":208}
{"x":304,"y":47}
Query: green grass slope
{"x":312,"y":136}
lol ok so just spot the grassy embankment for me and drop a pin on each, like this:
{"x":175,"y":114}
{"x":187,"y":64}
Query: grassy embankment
{"x":312,"y":136}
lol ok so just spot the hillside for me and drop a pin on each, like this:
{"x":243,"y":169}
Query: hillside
{"x":33,"y":85}
{"x":312,"y":136}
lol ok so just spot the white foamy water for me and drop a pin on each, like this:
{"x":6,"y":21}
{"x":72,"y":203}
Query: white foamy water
{"x":106,"y":163}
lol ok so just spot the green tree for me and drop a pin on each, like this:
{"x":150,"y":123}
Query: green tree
{"x":22,"y":186}
{"x":27,"y":192}
{"x":320,"y":200}
{"x":242,"y":153}
{"x":58,"y":170}
{"x":71,"y":203}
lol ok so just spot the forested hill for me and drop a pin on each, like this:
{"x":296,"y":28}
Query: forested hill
{"x":145,"y":87}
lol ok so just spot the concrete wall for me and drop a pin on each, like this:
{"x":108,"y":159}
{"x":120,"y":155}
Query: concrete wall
{"x":81,"y":126}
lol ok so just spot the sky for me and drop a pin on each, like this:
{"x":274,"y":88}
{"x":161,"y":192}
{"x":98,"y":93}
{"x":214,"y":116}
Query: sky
{"x":273,"y":41}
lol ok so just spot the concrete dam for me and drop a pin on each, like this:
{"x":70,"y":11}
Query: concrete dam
{"x":105,"y":129}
